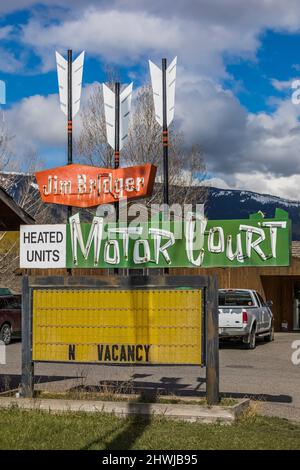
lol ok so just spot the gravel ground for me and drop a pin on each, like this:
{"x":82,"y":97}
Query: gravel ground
{"x":266,"y":374}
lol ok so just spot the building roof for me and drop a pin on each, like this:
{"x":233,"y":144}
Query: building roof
{"x":11,"y":214}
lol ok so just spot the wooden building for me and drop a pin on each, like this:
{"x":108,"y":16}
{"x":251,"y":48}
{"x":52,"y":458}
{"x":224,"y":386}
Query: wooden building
{"x":279,"y":284}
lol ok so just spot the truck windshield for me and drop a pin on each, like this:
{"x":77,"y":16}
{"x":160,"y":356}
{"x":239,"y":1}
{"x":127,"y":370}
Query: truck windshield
{"x":235,"y":298}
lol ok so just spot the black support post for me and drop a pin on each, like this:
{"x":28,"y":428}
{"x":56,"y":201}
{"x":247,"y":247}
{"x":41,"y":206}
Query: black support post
{"x":70,"y":119}
{"x":117,"y":137}
{"x":27,"y":385}
{"x":70,"y":130}
{"x":117,"y":147}
{"x":212,"y":348}
{"x":165,"y":137}
{"x":165,"y":141}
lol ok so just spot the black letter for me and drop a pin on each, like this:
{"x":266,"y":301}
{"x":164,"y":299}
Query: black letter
{"x":123,"y":353}
{"x":100,"y":351}
{"x":28,"y":257}
{"x":139,"y":358}
{"x":147,"y":348}
{"x":115,"y":347}
{"x":130,"y":353}
{"x":107,"y":356}
{"x":26,"y":237}
{"x":71,"y":352}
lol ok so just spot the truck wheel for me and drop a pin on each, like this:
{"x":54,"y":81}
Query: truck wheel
{"x":270,"y":336}
{"x":5,"y":333}
{"x":251,"y":343}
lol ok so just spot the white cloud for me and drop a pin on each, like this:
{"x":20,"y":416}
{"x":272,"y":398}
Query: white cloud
{"x":200,"y":32}
{"x":212,"y":117}
{"x":217,"y":183}
{"x":281,"y":85}
{"x":5,"y":31}
{"x":39,"y":119}
{"x":233,"y":139}
{"x":8,"y":62}
{"x":40,"y":122}
{"x":284,"y":186}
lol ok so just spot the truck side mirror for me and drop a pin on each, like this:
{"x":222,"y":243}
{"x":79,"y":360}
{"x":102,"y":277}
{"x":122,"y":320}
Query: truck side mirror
{"x":270,"y":303}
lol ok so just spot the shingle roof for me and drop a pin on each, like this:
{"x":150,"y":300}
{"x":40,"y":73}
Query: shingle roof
{"x":11,"y":214}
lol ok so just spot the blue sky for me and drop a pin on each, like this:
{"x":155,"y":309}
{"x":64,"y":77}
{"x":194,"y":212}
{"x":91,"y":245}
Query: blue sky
{"x":236,"y":62}
{"x":276,"y":57}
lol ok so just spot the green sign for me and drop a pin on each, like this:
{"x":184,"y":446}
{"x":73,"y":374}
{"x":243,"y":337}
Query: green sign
{"x":194,"y":242}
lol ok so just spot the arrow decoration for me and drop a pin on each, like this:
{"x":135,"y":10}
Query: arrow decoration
{"x":163,"y":87}
{"x":62,"y":73}
{"x":156,"y":75}
{"x":110,"y":115}
{"x":69,"y":75}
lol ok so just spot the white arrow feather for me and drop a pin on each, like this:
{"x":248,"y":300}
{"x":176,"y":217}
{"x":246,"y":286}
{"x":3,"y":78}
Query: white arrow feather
{"x":171,"y":79}
{"x":62,"y":74}
{"x":77,"y":70}
{"x":156,"y":80}
{"x":125,"y":105}
{"x":109,"y":110}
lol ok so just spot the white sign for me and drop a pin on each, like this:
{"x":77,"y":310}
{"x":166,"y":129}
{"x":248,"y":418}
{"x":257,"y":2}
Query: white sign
{"x":43,"y":246}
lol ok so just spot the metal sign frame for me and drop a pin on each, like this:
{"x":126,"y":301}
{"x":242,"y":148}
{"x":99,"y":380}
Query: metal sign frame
{"x":210,"y":332}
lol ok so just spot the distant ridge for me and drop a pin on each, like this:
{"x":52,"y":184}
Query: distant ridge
{"x":220,"y":204}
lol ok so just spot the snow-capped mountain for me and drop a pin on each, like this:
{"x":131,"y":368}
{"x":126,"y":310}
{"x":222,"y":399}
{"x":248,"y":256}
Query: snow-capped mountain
{"x":238,"y":204}
{"x":220,"y":203}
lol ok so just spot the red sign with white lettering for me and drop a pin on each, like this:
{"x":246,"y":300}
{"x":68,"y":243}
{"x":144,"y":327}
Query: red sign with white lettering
{"x":87,"y":186}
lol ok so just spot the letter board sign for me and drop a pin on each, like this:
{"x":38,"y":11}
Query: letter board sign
{"x":141,"y":326}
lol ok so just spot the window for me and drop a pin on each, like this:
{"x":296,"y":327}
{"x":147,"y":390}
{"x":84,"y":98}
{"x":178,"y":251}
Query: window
{"x":235,"y":298}
{"x":257,"y":299}
{"x":263,"y":304}
{"x":3,"y":303}
{"x":11,"y":302}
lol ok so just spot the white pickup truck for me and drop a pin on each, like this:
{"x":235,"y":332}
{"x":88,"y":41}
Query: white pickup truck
{"x":243,"y":314}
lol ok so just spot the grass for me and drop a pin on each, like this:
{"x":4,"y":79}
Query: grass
{"x":22,"y":429}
